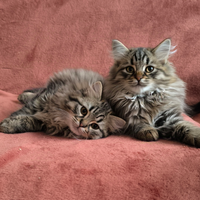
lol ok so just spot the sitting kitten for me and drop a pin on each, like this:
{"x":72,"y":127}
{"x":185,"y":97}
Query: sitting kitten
{"x":144,"y":89}
{"x":70,"y":104}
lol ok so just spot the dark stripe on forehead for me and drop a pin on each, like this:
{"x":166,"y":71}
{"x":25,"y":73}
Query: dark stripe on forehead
{"x":103,"y":108}
{"x":101,"y":117}
{"x":143,"y":56}
{"x":100,"y":120}
{"x":132,"y":61}
{"x":96,"y":110}
{"x":135,"y":57}
{"x":147,"y":61}
{"x":74,"y":99}
{"x":139,"y":54}
{"x":92,"y":108}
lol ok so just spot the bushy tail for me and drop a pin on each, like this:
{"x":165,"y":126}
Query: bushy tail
{"x":192,"y":110}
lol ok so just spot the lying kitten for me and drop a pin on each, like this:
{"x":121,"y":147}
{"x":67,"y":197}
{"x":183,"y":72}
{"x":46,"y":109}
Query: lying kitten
{"x":144,"y":89}
{"x":70,"y":104}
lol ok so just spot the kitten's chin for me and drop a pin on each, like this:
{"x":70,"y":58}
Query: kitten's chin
{"x":76,"y":130}
{"x":138,"y":89}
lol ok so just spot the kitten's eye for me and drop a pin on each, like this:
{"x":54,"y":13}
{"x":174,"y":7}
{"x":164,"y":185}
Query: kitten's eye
{"x":95,"y":126}
{"x":149,"y":69}
{"x":84,"y":111}
{"x":130,"y":69}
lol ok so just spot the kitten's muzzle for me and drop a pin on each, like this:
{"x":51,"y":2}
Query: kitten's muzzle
{"x":139,"y":76}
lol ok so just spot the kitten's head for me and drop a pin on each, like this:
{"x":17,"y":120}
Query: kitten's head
{"x":86,"y":114}
{"x":139,"y":70}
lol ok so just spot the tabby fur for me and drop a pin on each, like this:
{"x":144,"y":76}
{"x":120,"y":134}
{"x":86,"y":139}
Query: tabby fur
{"x":70,"y":105}
{"x":144,"y":89}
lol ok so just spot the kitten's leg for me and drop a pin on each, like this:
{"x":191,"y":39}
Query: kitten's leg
{"x":174,"y":127}
{"x":187,"y":133}
{"x":25,"y":97}
{"x":28,"y":95}
{"x":23,"y":111}
{"x":20,"y":124}
{"x":192,"y":110}
{"x":143,"y":132}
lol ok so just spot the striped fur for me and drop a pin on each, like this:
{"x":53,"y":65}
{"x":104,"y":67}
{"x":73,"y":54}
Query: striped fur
{"x":69,"y":105}
{"x":144,"y":89}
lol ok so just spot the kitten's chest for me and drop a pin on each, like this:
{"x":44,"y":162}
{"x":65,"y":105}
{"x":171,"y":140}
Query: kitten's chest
{"x":141,"y":105}
{"x":153,"y":98}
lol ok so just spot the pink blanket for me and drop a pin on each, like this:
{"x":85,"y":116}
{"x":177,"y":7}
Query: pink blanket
{"x":38,"y":38}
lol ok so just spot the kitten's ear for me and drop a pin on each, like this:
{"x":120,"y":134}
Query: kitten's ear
{"x":162,"y":51}
{"x":115,"y":123}
{"x":118,"y":49}
{"x":98,"y":87}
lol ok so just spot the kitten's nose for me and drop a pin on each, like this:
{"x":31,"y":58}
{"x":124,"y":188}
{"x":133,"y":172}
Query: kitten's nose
{"x":138,"y":76}
{"x":84,"y":129}
{"x":83,"y":124}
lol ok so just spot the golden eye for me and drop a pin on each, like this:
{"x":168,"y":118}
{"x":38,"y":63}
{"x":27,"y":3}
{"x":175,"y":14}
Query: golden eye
{"x":130,"y":69}
{"x":95,"y":126}
{"x":84,"y":111}
{"x":149,"y":69}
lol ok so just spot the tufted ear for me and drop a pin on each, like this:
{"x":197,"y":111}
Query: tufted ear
{"x":118,"y":50}
{"x":162,"y":51}
{"x":115,"y":123}
{"x":98,"y":87}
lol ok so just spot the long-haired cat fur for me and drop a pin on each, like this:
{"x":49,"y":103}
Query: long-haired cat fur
{"x":71,"y":104}
{"x":144,"y":89}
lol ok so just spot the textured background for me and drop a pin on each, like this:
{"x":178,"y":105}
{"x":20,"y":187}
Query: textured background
{"x":34,"y":166}
{"x":39,"y":37}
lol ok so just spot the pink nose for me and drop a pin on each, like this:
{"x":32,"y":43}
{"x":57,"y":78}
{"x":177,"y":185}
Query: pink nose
{"x":139,"y":76}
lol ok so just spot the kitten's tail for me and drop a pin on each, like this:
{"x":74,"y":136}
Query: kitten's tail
{"x":192,"y":110}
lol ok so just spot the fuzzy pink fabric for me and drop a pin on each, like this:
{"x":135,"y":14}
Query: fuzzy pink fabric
{"x":35,"y":166}
{"x":38,"y":38}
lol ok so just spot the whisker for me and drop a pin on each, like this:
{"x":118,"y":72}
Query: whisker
{"x":76,"y":137}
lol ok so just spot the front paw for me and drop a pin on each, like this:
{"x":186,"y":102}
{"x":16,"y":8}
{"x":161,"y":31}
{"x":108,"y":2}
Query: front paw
{"x":6,"y":126}
{"x":192,"y":138}
{"x":147,"y":135}
{"x":21,"y":98}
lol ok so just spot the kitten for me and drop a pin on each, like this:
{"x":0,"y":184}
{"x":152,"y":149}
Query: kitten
{"x":70,"y":104}
{"x":144,"y":89}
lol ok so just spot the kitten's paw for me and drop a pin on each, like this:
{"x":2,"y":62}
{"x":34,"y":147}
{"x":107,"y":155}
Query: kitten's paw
{"x":25,"y":97}
{"x":21,"y":98}
{"x":147,"y":135}
{"x":6,"y":126}
{"x":197,"y":142}
{"x":192,"y":139}
{"x":194,"y":136}
{"x":187,"y":133}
